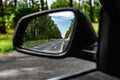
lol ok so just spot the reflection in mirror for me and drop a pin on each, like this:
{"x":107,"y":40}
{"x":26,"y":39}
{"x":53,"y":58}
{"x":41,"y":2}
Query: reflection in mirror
{"x":49,"y":33}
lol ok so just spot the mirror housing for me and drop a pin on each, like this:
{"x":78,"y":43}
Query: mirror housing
{"x":82,"y":34}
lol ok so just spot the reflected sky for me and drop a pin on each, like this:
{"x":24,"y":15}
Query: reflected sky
{"x":63,"y":20}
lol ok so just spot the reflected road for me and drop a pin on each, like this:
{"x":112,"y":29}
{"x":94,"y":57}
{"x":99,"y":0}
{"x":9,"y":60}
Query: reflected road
{"x":52,"y":46}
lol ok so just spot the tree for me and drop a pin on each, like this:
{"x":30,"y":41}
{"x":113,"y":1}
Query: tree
{"x":67,"y":35}
{"x":91,"y":11}
{"x":59,"y":4}
{"x":97,"y":9}
{"x":79,"y":4}
{"x":41,"y":5}
{"x":46,"y":5}
{"x":1,"y":8}
{"x":2,"y":24}
{"x":15,"y":2}
{"x":91,"y":8}
{"x":71,"y":3}
{"x":32,"y":2}
{"x":42,"y":28}
{"x":22,"y":10}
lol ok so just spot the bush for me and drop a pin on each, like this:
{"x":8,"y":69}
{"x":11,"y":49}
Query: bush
{"x":6,"y":46}
{"x":23,"y":10}
{"x":6,"y":42}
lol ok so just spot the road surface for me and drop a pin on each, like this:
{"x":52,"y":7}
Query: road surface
{"x":52,"y":46}
{"x":17,"y":66}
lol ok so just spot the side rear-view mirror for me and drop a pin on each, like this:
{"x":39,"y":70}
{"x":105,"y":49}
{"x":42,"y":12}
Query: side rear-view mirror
{"x":54,"y":33}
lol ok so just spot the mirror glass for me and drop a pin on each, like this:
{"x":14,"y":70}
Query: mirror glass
{"x":49,"y":32}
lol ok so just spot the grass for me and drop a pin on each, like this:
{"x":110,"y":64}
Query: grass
{"x":96,"y":27}
{"x":6,"y":42}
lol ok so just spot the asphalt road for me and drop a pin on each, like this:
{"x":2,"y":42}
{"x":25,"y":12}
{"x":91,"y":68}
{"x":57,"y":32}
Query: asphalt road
{"x":52,"y":46}
{"x":17,"y":66}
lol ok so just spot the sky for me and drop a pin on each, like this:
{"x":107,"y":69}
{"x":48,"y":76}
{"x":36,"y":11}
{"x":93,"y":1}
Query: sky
{"x":50,"y":2}
{"x":63,"y":20}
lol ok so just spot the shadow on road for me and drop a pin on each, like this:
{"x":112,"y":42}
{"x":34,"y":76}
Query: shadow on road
{"x":19,"y":66}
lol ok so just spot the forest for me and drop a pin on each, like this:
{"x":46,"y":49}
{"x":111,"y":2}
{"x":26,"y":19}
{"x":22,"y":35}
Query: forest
{"x":12,"y":10}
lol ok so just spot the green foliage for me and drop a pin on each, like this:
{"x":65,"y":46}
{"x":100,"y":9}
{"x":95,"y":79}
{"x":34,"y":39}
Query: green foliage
{"x":9,"y":23}
{"x":96,"y":28}
{"x":42,"y":28}
{"x":6,"y":42}
{"x":92,"y":12}
{"x":23,"y":10}
{"x":85,"y":7}
{"x":75,"y":4}
{"x":70,"y":30}
{"x":97,"y":9}
{"x":59,"y":4}
{"x":6,"y":46}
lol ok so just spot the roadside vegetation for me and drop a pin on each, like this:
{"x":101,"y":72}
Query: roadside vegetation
{"x":6,"y":42}
{"x":96,"y":27}
{"x":12,"y":10}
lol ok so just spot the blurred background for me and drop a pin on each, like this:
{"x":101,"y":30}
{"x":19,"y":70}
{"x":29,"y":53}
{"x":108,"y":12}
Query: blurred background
{"x":12,"y":10}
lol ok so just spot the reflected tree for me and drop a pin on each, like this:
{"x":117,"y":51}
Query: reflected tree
{"x":42,"y":28}
{"x":67,"y":35}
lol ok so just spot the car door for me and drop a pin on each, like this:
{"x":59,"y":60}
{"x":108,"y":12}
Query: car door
{"x":80,"y":43}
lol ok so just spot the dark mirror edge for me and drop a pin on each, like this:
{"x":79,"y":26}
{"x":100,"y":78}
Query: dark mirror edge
{"x":20,"y":32}
{"x":72,"y":50}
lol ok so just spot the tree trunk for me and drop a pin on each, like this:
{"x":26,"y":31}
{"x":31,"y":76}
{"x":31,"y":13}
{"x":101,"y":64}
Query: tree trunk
{"x":32,"y":2}
{"x":2,"y":24}
{"x":71,"y":3}
{"x":46,"y":5}
{"x":91,"y":11}
{"x":79,"y":4}
{"x":1,"y":8}
{"x":15,"y":2}
{"x":41,"y":5}
{"x":2,"y":28}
